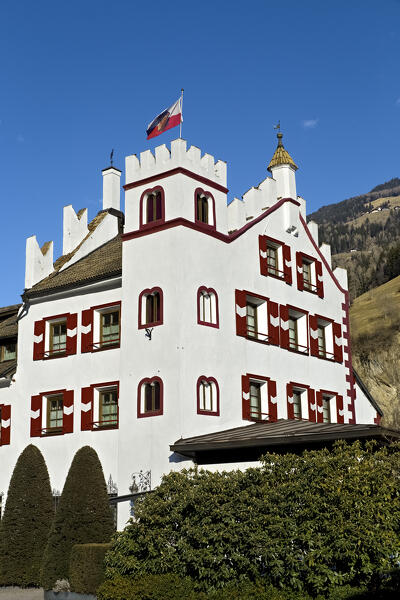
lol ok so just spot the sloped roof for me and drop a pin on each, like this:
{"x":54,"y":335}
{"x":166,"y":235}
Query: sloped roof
{"x":281,"y":156}
{"x":251,"y":441}
{"x":102,"y":263}
{"x":8,"y":368}
{"x":9,"y":327}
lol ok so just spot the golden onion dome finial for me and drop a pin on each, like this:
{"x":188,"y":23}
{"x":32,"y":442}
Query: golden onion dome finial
{"x":281,"y":156}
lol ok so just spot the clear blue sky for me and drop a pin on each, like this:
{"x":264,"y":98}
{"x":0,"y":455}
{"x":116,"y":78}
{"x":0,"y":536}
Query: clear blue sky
{"x":78,"y":78}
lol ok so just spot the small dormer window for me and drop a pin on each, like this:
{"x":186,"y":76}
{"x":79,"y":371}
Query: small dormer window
{"x":8,"y":351}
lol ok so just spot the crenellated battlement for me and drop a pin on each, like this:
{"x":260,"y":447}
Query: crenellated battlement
{"x":165,"y":159}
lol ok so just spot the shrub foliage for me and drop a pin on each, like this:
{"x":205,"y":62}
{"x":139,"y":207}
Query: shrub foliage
{"x":312,"y":523}
{"x":26,"y":522}
{"x":83,"y":515}
{"x":86,"y":567}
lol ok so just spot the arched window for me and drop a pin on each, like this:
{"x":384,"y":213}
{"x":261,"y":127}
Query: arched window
{"x":152,"y":207}
{"x":207,"y":396}
{"x":207,"y":307}
{"x":204,"y":208}
{"x":151,"y":308}
{"x":150,"y":397}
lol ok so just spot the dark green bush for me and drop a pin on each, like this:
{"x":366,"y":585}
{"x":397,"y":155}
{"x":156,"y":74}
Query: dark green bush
{"x":149,"y":587}
{"x":310,"y":523}
{"x":86,"y":567}
{"x":83,"y":516}
{"x":26,"y":521}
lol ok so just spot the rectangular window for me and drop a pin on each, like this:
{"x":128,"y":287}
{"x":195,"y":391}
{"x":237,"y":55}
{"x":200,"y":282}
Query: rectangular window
{"x":109,"y":328}
{"x":255,"y":400}
{"x":297,"y":404}
{"x":293,"y":334}
{"x":8,"y":351}
{"x":108,"y":405}
{"x":307,"y":275}
{"x":152,"y":397}
{"x":55,"y":412}
{"x":272,"y":260}
{"x":251,"y":319}
{"x":326,"y":412}
{"x":58,"y":337}
{"x":321,"y":341}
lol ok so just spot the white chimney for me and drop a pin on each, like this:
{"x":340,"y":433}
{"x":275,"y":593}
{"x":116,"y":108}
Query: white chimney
{"x":111,"y":188}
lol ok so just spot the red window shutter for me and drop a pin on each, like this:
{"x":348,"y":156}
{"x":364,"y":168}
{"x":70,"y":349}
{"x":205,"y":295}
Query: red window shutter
{"x":87,"y":331}
{"x":320,"y":408}
{"x":245,"y":397}
{"x":339,"y":409}
{"x":337,"y":342}
{"x":312,"y":407}
{"x":313,"y":320}
{"x":36,"y":416}
{"x":273,"y":323}
{"x":262,"y":243}
{"x":290,"y":407}
{"x":38,"y":340}
{"x":72,"y":333}
{"x":272,"y":401}
{"x":5,"y":424}
{"x":299,"y":271}
{"x":68,"y":410}
{"x":284,"y":333}
{"x":320,"y":281}
{"x":240,"y":311}
{"x":87,"y":409}
{"x":287,"y":264}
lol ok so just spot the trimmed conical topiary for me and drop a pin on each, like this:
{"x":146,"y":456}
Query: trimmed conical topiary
{"x":25,"y":526}
{"x":83,"y":516}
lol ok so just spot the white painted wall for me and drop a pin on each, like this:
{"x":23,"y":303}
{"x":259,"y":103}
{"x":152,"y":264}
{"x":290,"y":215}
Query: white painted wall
{"x":179,"y":260}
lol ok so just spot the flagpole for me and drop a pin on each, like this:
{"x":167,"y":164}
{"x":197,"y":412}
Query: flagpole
{"x":180,"y":125}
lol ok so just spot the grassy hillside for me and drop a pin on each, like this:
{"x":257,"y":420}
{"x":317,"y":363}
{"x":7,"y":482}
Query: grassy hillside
{"x":375,"y":331}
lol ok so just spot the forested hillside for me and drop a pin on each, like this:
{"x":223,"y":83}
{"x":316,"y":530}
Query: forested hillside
{"x":364,"y":234}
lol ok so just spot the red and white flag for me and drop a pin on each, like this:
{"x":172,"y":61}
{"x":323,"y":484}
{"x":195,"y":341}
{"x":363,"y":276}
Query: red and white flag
{"x":170,"y":117}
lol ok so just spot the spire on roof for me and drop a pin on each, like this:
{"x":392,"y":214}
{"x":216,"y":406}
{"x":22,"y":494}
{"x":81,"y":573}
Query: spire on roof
{"x":281,"y":156}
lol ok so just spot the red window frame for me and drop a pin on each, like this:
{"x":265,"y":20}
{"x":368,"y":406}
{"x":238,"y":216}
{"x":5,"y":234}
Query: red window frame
{"x":241,"y":321}
{"x":154,"y":413}
{"x":209,"y":197}
{"x":143,"y":224}
{"x":272,"y":414}
{"x":5,"y":430}
{"x":200,"y":411}
{"x":68,"y":417}
{"x":39,"y":348}
{"x":318,"y":287}
{"x":207,"y":290}
{"x":87,"y":344}
{"x":306,"y":314}
{"x":91,"y":424}
{"x":282,"y":275}
{"x":147,"y":292}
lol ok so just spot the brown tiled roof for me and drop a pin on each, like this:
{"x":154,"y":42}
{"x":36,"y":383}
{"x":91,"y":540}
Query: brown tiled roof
{"x":262,"y":437}
{"x":102,"y":263}
{"x":281,"y":156}
{"x":8,"y":368}
{"x":9,"y":327}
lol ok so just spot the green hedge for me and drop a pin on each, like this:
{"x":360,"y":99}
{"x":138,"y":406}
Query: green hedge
{"x":312,"y":523}
{"x":173,"y":587}
{"x":86,"y":567}
{"x":149,"y":587}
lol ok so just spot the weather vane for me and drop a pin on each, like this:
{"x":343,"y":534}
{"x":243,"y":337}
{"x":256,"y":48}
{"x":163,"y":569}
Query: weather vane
{"x":112,"y":157}
{"x":278,"y":126}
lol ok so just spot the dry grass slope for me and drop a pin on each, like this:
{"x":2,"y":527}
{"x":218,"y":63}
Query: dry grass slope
{"x":375,"y":328}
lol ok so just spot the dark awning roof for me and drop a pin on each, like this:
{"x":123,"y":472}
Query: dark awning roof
{"x":249,"y":442}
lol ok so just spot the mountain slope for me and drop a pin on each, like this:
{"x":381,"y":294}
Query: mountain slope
{"x":375,"y":333}
{"x":364,"y":234}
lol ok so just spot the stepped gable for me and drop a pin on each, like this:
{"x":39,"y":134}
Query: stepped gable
{"x":281,"y":156}
{"x":102,"y":263}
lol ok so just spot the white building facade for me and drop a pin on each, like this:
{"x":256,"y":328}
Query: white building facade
{"x":184,"y":316}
